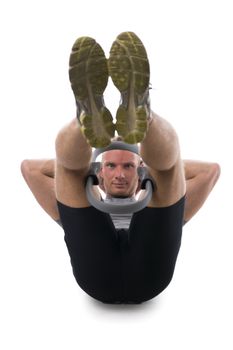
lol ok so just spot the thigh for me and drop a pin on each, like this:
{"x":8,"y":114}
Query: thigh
{"x":92,"y":243}
{"x":70,"y":187}
{"x":170,"y":185}
{"x":154,"y":240}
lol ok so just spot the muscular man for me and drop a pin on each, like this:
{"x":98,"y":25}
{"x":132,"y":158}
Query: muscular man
{"x":129,"y":259}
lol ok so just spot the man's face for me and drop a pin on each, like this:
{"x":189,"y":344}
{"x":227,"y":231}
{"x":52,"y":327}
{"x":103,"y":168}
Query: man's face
{"x":119,"y":173}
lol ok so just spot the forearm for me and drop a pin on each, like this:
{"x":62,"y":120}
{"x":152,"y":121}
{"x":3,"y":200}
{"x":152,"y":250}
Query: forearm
{"x":201,"y":177}
{"x":44,"y":166}
{"x":39,"y":176}
{"x":195,"y":167}
{"x":48,"y":167}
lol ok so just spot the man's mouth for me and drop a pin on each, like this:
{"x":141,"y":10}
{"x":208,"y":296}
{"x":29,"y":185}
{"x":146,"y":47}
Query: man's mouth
{"x":119,"y":184}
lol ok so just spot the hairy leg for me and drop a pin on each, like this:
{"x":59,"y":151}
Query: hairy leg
{"x":160,"y":151}
{"x":73,"y":155}
{"x":72,"y":149}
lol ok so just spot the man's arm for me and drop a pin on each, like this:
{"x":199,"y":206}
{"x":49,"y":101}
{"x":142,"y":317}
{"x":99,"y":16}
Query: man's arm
{"x":200,"y":180}
{"x":39,"y":176}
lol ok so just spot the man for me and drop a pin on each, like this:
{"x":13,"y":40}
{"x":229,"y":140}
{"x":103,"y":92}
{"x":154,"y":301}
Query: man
{"x":129,"y":259}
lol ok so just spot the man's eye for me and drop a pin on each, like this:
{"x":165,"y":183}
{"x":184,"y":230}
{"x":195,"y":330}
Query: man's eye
{"x":110,"y":165}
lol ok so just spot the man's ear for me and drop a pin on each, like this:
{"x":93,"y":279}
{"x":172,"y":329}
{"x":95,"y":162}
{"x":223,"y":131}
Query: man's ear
{"x":101,"y":180}
{"x":100,"y":171}
{"x":141,"y":165}
{"x":139,"y":186}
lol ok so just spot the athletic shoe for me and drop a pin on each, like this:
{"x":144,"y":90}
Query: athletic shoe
{"x":88,"y":75}
{"x":129,"y":69}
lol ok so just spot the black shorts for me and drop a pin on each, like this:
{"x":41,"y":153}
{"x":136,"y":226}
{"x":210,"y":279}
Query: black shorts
{"x":123,"y":266}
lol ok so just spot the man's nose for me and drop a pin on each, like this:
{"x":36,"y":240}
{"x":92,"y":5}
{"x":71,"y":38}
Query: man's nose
{"x":119,"y":173}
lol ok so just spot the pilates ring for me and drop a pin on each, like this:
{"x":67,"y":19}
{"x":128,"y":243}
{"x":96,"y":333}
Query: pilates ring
{"x":147,"y":184}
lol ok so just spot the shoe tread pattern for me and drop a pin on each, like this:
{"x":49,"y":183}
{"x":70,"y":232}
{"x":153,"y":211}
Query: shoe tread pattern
{"x":88,"y":73}
{"x":130,"y":72}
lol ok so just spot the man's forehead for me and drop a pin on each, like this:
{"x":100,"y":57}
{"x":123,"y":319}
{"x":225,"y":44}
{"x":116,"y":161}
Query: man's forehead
{"x":120,"y":155}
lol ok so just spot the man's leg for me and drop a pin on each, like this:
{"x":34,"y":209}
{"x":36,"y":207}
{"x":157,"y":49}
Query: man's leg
{"x":161,"y":152}
{"x":89,"y":233}
{"x":73,"y":155}
{"x":88,"y":75}
{"x":129,"y":70}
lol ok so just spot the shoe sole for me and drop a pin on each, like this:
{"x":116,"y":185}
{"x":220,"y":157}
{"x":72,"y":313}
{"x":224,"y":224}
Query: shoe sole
{"x":88,"y":75}
{"x":129,"y":69}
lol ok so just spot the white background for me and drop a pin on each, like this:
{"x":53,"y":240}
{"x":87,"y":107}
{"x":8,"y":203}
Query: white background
{"x":189,"y":44}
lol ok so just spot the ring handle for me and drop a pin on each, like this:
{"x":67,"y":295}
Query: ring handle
{"x":118,"y":208}
{"x":147,"y":184}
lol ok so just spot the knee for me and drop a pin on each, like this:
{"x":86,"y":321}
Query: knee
{"x":60,"y":142}
{"x":61,"y":145}
{"x":214,"y":172}
{"x":25,"y":167}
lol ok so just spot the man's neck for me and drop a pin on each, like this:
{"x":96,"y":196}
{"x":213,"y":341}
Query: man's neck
{"x":112,"y":198}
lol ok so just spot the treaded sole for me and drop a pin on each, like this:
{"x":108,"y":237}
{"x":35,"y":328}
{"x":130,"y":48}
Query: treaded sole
{"x":88,"y":75}
{"x":128,"y":67}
